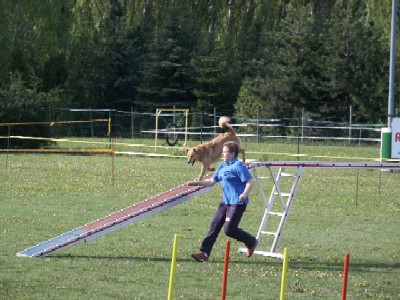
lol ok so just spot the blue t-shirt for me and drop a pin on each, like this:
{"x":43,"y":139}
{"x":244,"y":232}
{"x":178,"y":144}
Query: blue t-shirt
{"x":233,"y":176}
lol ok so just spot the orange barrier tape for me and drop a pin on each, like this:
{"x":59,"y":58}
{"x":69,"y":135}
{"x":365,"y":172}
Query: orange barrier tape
{"x":56,"y":150}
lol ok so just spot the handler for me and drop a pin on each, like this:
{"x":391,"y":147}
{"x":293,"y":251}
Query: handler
{"x":237,"y":183}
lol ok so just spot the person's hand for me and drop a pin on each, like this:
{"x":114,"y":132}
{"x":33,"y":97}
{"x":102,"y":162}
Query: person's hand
{"x":242,"y":197}
{"x":192,"y":183}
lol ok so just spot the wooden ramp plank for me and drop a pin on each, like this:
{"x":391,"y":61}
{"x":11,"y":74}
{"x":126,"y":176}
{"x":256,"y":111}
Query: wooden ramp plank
{"x":116,"y":220}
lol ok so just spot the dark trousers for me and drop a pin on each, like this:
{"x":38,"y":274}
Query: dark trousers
{"x":227,"y":216}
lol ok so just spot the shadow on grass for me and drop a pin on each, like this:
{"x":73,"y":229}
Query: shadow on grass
{"x":355,"y":266}
{"x":314,"y":265}
{"x":117,"y":258}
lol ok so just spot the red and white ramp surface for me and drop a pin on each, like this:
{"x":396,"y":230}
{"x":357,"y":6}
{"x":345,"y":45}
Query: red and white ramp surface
{"x":116,"y":220}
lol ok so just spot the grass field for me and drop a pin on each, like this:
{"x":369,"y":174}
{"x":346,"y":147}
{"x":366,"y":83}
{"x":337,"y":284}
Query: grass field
{"x":43,"y":196}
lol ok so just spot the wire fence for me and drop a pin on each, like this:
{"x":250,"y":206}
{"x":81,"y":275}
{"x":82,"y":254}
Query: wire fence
{"x":172,"y":127}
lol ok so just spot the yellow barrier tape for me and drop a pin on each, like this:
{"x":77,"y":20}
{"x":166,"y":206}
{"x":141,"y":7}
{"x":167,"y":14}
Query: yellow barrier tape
{"x":144,"y":154}
{"x":54,"y":123}
{"x":68,"y":140}
{"x":183,"y":149}
{"x":147,"y":154}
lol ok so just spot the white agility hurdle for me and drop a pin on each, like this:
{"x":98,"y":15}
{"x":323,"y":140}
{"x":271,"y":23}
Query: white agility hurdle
{"x":286,"y":198}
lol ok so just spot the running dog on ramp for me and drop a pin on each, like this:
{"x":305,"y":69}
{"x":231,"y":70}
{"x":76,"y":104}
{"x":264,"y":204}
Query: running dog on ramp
{"x":210,"y":152}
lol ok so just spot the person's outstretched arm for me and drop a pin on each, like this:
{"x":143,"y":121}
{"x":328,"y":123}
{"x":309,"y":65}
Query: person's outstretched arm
{"x":209,"y":182}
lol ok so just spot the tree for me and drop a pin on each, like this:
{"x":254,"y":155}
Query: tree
{"x":22,"y":101}
{"x":358,"y":65}
{"x":167,"y":72}
{"x":317,"y":56}
{"x":32,"y":35}
{"x":278,"y":74}
{"x":321,"y":66}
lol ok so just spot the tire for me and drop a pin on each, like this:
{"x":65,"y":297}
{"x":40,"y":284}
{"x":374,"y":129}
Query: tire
{"x":171,"y":134}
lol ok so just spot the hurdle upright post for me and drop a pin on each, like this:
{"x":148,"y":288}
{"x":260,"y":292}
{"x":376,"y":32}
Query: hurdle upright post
{"x":186,"y":126}
{"x":345,"y":275}
{"x":173,"y":267}
{"x":8,"y":145}
{"x":225,"y":276}
{"x":284,"y":271}
{"x":358,"y":174}
{"x":113,"y":161}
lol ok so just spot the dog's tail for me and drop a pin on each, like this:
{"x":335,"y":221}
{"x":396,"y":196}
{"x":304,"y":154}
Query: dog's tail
{"x":224,"y":123}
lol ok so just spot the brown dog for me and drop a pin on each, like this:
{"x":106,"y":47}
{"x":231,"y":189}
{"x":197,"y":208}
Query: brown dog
{"x":210,"y":152}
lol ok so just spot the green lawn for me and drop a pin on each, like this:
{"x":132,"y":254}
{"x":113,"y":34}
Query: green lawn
{"x":43,"y":196}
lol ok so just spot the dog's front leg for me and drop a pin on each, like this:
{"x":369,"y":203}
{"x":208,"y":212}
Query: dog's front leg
{"x":203,"y":171}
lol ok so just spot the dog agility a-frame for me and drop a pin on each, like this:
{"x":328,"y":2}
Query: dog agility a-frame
{"x":183,"y":193}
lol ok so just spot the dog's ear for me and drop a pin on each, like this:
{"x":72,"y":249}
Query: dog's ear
{"x":188,"y":149}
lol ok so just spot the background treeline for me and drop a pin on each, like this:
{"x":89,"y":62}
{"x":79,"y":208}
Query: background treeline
{"x":274,"y":58}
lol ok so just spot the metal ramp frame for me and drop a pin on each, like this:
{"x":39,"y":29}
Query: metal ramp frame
{"x":280,"y":209}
